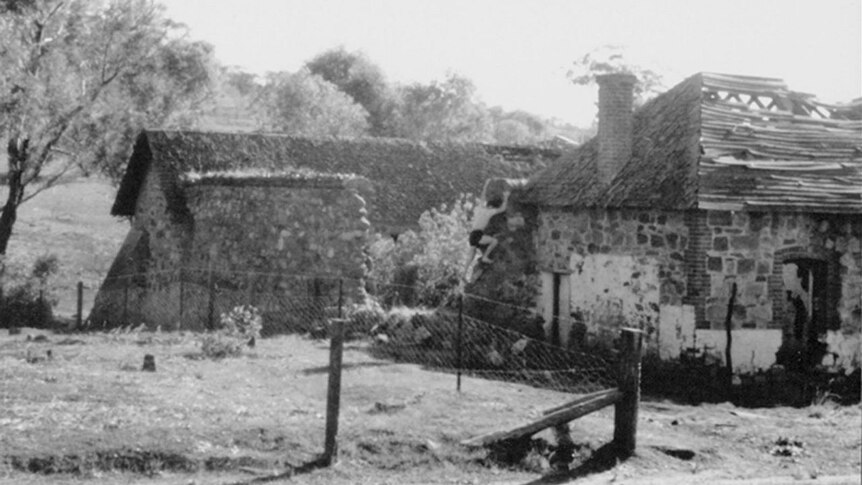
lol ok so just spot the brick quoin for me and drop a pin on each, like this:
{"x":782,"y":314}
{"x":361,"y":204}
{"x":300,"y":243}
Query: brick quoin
{"x":700,"y":238}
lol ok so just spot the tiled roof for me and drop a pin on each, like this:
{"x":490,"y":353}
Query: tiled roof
{"x":407,"y":177}
{"x":724,"y":142}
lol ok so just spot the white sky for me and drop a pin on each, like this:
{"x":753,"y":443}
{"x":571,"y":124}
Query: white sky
{"x":518,"y":51}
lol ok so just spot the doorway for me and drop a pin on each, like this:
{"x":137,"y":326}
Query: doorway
{"x":806,"y":288}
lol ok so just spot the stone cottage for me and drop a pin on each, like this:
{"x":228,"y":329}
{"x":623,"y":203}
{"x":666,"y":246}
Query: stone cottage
{"x":722,"y":182}
{"x":258,"y":219}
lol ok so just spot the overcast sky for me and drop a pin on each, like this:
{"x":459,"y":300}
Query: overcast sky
{"x":518,"y":51}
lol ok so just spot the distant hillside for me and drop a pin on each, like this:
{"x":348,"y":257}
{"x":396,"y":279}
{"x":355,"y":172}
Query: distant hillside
{"x":73,"y":222}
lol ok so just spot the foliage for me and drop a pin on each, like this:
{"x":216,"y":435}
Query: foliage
{"x":438,"y":251}
{"x":306,"y":104}
{"x":44,"y":267}
{"x":27,"y":302}
{"x":518,"y":127}
{"x":309,"y":102}
{"x":447,"y":110}
{"x":609,"y":59}
{"x":360,"y":79}
{"x":237,"y":329}
{"x":23,"y":305}
{"x":78,"y":78}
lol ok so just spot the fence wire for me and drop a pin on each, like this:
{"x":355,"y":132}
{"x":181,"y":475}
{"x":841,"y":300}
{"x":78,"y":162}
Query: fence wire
{"x":469,"y":334}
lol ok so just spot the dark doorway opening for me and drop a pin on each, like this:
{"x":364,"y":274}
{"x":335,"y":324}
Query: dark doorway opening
{"x":807,"y":291}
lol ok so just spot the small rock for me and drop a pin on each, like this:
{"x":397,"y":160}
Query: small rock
{"x":149,"y":363}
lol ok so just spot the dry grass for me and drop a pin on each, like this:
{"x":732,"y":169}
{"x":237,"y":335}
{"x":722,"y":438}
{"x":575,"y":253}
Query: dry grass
{"x":91,"y":410}
{"x":72,"y":221}
{"x":265,"y":409}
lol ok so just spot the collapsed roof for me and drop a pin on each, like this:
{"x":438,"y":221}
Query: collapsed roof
{"x":723,"y":142}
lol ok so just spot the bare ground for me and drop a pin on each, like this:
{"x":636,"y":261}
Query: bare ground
{"x":89,"y":415}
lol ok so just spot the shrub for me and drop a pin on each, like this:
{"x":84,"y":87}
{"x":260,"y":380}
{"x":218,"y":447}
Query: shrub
{"x":26,"y":302}
{"x":435,"y":256}
{"x":237,"y":328}
{"x":22,"y":306}
{"x":365,"y":317}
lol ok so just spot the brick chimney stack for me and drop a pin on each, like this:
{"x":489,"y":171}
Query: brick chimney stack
{"x":616,"y":92}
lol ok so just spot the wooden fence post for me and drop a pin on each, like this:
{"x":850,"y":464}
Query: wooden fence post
{"x":333,"y":394}
{"x":626,"y":409}
{"x":125,"y":301}
{"x":211,"y":303}
{"x":182,"y":290}
{"x":79,"y":315}
{"x":458,"y":342}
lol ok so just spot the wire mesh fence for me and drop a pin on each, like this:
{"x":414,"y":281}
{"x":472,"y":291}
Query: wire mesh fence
{"x":463,"y":335}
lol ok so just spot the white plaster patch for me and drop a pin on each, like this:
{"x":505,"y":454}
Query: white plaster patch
{"x":751,"y":349}
{"x":843,"y":351}
{"x":676,"y":330}
{"x":613,"y":291}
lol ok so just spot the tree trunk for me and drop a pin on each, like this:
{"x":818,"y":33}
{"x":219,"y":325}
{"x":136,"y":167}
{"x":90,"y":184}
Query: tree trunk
{"x":17,"y":150}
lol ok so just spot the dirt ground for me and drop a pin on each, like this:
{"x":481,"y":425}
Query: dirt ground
{"x":88,"y":415}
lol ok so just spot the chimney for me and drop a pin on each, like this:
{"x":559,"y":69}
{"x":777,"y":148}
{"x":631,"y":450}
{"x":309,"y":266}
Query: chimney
{"x":615,"y":124}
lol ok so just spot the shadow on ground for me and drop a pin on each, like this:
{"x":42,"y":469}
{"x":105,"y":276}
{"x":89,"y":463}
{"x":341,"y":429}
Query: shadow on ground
{"x":603,"y":459}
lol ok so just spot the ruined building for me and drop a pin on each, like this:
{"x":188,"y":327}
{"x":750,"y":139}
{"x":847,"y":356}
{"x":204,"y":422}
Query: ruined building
{"x":221,"y":219}
{"x":721,"y":183}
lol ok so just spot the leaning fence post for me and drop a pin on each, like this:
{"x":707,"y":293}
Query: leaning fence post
{"x":333,"y":394}
{"x":626,"y":409}
{"x":458,"y":341}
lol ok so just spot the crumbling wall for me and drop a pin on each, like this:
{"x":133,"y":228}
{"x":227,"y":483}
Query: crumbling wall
{"x":288,"y":246}
{"x":752,"y":248}
{"x":622,"y":266}
{"x":266,"y":241}
{"x":142,"y":283}
{"x":512,"y":277}
{"x":644,"y":268}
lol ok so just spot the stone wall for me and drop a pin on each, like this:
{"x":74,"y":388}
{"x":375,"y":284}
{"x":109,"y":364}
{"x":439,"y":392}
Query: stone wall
{"x":752,"y":249}
{"x":671,"y":274}
{"x":310,"y":228}
{"x":620,"y":268}
{"x":512,"y":277}
{"x":271,"y":242}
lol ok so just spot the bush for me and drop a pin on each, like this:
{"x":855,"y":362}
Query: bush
{"x":22,"y":306}
{"x":434,"y":257}
{"x":27,"y":302}
{"x":237,"y":328}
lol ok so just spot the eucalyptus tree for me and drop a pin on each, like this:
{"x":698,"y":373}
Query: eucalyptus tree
{"x":78,"y":78}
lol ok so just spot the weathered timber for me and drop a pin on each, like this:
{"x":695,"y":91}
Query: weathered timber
{"x":728,"y":328}
{"x":333,"y":395}
{"x":570,"y":413}
{"x":626,"y":411}
{"x":578,"y":400}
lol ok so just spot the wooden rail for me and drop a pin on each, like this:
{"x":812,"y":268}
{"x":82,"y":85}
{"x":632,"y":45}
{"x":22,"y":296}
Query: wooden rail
{"x":625,"y":397}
